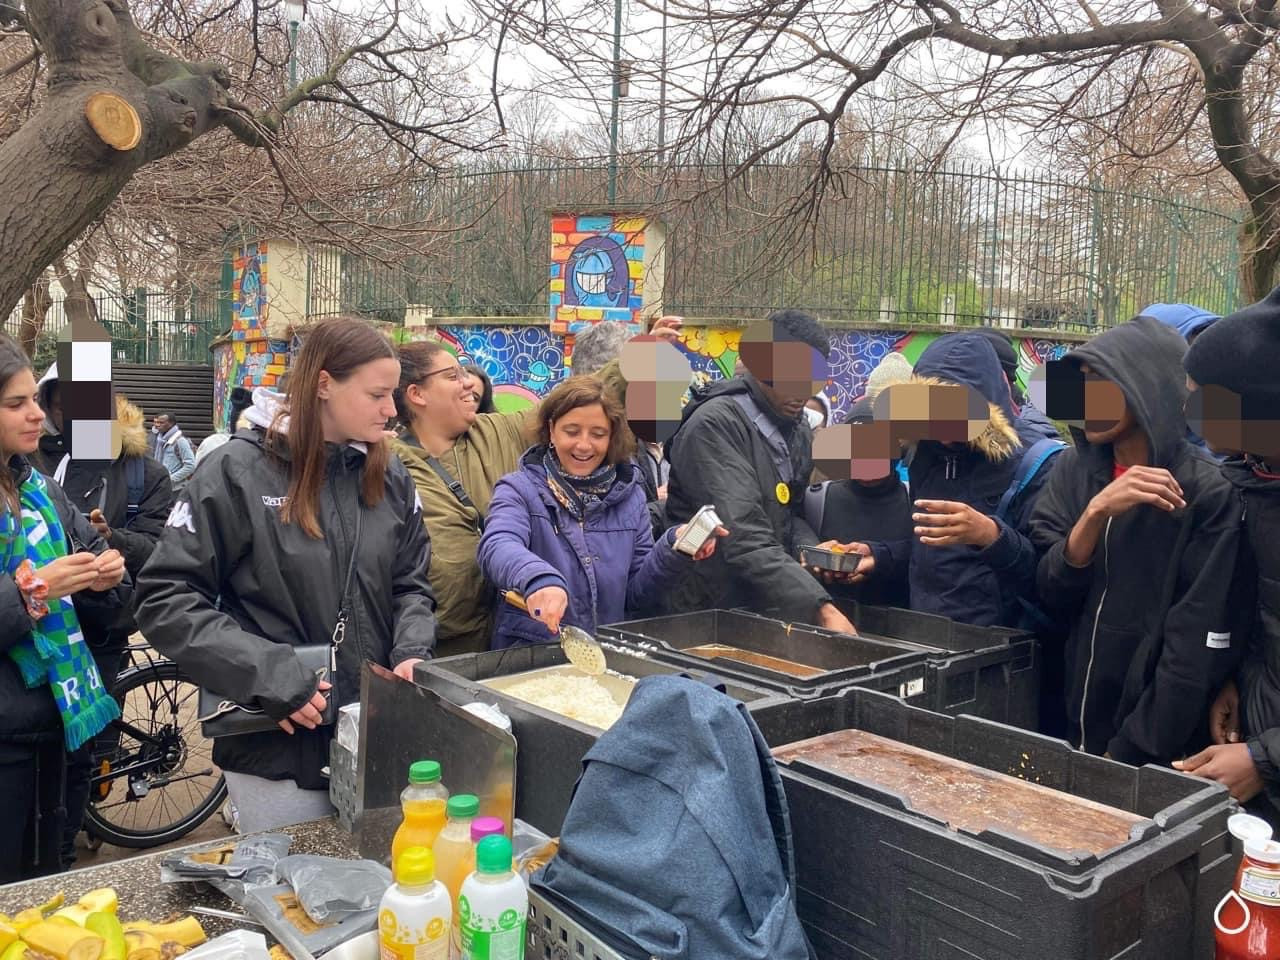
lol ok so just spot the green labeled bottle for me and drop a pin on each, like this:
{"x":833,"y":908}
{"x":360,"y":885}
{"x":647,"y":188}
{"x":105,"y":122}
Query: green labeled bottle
{"x":493,"y":906}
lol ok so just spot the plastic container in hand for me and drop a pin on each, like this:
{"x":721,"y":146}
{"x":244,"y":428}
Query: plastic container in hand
{"x":494,"y":905}
{"x":423,"y":802}
{"x":415,"y":918}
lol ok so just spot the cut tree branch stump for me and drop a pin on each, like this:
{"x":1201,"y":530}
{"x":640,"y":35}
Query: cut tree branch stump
{"x":114,"y":120}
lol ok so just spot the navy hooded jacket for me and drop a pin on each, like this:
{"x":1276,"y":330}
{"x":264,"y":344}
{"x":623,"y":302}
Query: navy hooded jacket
{"x":981,"y":586}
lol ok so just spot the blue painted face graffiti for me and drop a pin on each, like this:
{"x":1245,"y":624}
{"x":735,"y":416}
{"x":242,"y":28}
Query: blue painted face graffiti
{"x":597,"y":274}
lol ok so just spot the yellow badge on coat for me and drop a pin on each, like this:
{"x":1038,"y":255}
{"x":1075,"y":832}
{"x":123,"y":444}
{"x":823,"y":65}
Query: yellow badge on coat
{"x":783,"y":493}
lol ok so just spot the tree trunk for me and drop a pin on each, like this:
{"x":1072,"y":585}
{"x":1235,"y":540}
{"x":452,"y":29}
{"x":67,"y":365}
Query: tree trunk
{"x":1260,"y":250}
{"x":114,"y":105}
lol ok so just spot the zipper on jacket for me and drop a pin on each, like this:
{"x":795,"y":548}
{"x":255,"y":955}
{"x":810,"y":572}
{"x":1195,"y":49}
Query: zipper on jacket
{"x":1097,"y":617}
{"x":591,"y":576}
{"x":952,"y":468}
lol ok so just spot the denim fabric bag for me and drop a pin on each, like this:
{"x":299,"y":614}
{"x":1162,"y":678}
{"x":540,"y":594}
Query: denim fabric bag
{"x":678,"y":843}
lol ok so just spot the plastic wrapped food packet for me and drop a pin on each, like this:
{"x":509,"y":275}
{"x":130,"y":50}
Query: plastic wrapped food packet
{"x":236,"y":945}
{"x":330,"y":889}
{"x":277,"y":908}
{"x":531,"y":848}
{"x":249,"y":861}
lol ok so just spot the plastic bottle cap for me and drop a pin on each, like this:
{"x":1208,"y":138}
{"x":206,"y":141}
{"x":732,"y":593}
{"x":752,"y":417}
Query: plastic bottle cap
{"x":493,"y":854}
{"x":1263,"y":851}
{"x":462,"y":806}
{"x":416,"y":867}
{"x":424,"y":771}
{"x":482,"y":827}
{"x":1244,"y":827}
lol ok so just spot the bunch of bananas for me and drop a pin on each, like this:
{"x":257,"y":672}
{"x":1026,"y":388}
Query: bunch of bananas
{"x":91,"y":930}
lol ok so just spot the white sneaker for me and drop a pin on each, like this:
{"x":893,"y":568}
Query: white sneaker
{"x":230,"y":816}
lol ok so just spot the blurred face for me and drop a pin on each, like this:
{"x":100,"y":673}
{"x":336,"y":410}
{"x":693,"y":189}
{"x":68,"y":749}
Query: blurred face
{"x":357,"y":409}
{"x":581,"y":439}
{"x":54,"y":400}
{"x":1107,"y":418}
{"x":446,"y":396}
{"x":21,"y":418}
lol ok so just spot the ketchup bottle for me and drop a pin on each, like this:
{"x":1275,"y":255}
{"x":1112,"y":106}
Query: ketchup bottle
{"x":1248,"y":918}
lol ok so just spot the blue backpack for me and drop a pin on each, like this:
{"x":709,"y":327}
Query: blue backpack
{"x":677,"y":843}
{"x":1033,"y":459}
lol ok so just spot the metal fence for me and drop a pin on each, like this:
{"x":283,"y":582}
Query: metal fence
{"x":146,"y":326}
{"x":892,"y":244}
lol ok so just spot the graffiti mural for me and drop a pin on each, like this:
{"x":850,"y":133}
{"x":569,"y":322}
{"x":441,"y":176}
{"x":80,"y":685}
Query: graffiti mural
{"x":249,"y":292}
{"x":597,"y":271}
{"x":525,"y":362}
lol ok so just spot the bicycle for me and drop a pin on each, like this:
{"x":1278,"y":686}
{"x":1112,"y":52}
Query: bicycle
{"x":155,"y":780}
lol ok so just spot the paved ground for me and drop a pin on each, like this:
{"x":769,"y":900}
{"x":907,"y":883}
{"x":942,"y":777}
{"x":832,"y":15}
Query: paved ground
{"x":212,"y":829}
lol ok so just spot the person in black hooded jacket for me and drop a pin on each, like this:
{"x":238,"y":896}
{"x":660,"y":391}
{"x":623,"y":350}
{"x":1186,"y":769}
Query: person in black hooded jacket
{"x":967,"y":563}
{"x":1232,"y":365}
{"x":1140,"y":534}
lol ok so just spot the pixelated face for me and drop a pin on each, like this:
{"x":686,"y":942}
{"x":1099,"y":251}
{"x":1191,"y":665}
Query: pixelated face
{"x":790,"y":371}
{"x":657,"y":375}
{"x":357,"y":409}
{"x":1230,"y":424}
{"x":21,"y":418}
{"x":1081,"y":397}
{"x":856,"y":451}
{"x":581,"y":439}
{"x":85,"y":394}
{"x":944,"y":413}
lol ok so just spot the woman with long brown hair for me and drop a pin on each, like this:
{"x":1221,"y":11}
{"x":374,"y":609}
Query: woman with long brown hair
{"x":57,"y":579}
{"x":301,"y":531}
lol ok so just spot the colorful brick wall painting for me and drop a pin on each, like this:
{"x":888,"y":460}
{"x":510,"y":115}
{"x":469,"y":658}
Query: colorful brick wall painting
{"x":597,"y":271}
{"x":246,"y":363}
{"x":249,"y":292}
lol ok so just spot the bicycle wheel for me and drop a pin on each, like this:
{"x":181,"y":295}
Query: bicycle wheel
{"x":157,"y":781}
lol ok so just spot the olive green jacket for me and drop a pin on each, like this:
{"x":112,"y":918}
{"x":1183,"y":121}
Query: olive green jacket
{"x":490,"y":449}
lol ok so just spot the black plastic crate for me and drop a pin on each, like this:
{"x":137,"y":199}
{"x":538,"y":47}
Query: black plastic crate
{"x":880,"y":881}
{"x":550,"y":747}
{"x":990,"y":672}
{"x":873,"y":662}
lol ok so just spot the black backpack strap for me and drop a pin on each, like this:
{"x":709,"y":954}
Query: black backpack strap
{"x":455,"y":487}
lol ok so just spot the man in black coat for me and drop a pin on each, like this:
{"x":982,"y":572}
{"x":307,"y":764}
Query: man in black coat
{"x":1235,"y":406}
{"x":744,"y":447}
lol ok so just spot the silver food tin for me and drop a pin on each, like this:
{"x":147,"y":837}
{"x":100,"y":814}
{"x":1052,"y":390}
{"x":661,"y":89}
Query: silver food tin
{"x":829,"y":560}
{"x":700,"y":528}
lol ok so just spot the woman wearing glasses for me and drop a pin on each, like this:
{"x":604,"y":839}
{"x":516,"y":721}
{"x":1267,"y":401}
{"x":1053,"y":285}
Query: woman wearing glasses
{"x":455,"y":457}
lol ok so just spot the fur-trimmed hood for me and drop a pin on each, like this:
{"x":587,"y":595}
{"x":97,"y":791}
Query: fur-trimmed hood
{"x":968,"y":359}
{"x":133,"y":429}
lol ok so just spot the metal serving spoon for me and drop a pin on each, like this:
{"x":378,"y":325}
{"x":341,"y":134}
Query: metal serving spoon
{"x":582,"y":649}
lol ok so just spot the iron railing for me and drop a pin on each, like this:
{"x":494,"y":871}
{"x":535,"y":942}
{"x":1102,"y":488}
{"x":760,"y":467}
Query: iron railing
{"x":885,"y":243}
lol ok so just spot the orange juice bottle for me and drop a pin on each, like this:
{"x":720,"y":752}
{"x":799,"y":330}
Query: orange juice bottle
{"x":423,"y":802}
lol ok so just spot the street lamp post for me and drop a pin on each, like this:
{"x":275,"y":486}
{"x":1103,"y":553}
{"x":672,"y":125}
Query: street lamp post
{"x":296,"y":11}
{"x":617,"y":94}
{"x":662,"y":90}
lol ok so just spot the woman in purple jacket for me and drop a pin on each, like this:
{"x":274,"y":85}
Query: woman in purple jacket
{"x":570,"y":528}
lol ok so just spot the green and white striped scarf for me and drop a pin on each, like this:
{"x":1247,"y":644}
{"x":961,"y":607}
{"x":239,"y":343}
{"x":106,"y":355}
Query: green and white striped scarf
{"x":55,"y":652}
